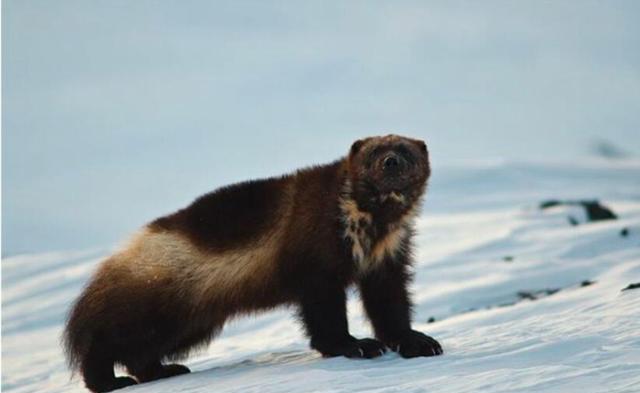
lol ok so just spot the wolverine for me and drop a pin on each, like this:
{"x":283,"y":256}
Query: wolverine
{"x":300,"y":240}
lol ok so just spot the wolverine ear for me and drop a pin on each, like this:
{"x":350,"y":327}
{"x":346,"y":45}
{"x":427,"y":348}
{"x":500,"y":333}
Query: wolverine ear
{"x":420,"y":144}
{"x":357,"y":145}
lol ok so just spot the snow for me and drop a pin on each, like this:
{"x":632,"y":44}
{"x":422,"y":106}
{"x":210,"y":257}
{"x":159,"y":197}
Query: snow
{"x":481,"y":240}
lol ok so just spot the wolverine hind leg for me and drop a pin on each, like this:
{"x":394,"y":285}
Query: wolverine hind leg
{"x":97,"y":371}
{"x":146,"y":367}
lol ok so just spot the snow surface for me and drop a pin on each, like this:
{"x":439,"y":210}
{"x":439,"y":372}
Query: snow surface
{"x":481,"y":240}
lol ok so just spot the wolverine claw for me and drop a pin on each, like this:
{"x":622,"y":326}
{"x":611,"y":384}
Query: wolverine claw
{"x":415,"y":344}
{"x":368,"y":348}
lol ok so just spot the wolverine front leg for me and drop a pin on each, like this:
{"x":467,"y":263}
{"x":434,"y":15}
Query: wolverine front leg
{"x":387,"y":303}
{"x":324,"y":313}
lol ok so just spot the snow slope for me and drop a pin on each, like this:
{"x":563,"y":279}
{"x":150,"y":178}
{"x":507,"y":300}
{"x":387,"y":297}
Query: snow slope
{"x":481,"y":241}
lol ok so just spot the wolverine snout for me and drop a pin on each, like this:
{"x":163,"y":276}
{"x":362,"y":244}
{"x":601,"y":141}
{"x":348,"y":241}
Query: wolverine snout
{"x":393,"y":164}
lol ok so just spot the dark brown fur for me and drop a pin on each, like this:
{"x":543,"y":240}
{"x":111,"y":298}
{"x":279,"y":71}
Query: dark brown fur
{"x":300,"y":239}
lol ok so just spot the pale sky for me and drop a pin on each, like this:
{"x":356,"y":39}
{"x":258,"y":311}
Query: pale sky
{"x":115,"y":112}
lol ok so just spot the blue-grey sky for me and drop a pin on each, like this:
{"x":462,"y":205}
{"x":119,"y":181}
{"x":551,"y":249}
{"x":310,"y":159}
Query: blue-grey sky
{"x":115,"y":112}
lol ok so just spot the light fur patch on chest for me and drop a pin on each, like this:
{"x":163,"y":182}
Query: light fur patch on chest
{"x":356,"y":223}
{"x":367,"y":254}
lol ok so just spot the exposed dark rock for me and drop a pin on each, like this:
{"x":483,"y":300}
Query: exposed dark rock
{"x":607,"y":149}
{"x":535,"y":295}
{"x":624,"y":232}
{"x":525,"y":295}
{"x":431,"y":320}
{"x":508,"y":258}
{"x":632,"y":286}
{"x":597,"y":212}
{"x":594,"y":210}
{"x":550,"y":203}
{"x":530,"y":295}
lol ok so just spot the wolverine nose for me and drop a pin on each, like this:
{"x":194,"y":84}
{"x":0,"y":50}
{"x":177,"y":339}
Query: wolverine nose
{"x":392,"y":163}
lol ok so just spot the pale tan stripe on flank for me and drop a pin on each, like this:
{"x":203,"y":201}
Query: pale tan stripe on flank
{"x":202,"y":276}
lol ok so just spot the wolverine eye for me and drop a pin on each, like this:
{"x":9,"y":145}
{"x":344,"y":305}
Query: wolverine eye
{"x":405,"y":153}
{"x":373,"y":156}
{"x":377,"y":150}
{"x":368,"y":163}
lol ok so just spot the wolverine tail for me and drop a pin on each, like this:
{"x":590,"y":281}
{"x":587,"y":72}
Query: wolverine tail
{"x":77,"y":336}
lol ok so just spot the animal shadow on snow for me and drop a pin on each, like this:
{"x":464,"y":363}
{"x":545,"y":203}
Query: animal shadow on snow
{"x":285,"y":360}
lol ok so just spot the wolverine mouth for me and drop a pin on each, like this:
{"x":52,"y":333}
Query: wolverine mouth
{"x":393,"y":196}
{"x":398,"y":185}
{"x":401,"y":191}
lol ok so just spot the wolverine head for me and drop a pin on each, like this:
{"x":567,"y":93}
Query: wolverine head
{"x":388,"y":172}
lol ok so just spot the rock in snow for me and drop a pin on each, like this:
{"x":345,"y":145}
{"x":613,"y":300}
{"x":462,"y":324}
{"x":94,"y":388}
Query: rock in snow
{"x":632,"y":286}
{"x":593,"y":209}
{"x":583,"y":338}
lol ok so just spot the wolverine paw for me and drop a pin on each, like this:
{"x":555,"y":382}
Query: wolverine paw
{"x":415,"y":344}
{"x":159,"y":371}
{"x":366,"y":348}
{"x":123,"y":382}
{"x":171,"y":370}
{"x":111,"y":385}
